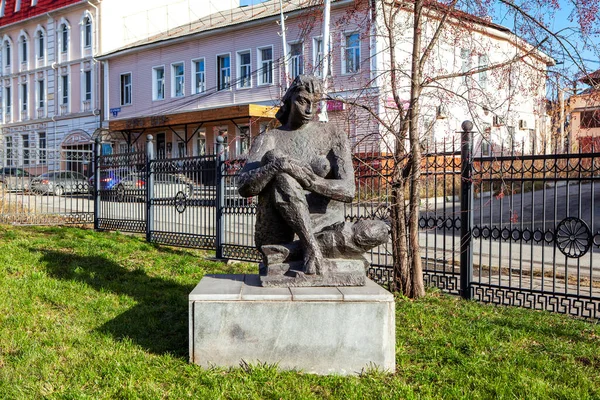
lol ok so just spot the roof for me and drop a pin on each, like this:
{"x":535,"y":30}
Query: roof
{"x":28,"y":11}
{"x":592,"y":79}
{"x":269,"y":8}
{"x":221,"y":19}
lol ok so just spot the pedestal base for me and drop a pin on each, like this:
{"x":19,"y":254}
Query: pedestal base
{"x":323,"y":330}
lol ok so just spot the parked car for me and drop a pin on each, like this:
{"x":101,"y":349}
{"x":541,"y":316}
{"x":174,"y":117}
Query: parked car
{"x":109,"y":179}
{"x":166,"y":185}
{"x":59,"y":182}
{"x":14,"y":179}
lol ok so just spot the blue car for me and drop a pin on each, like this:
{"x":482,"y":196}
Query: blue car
{"x":108,"y":181}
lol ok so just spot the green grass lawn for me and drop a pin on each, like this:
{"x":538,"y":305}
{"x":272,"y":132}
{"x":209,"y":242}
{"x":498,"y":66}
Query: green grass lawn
{"x":104,"y":315}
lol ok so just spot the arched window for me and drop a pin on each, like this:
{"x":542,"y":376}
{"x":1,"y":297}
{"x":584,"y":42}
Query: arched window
{"x":7,"y":54}
{"x":87,"y":32}
{"x":23,"y":50}
{"x":64,"y":38}
{"x":40,"y":44}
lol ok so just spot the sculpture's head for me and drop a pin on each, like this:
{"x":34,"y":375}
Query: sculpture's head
{"x":299,"y":101}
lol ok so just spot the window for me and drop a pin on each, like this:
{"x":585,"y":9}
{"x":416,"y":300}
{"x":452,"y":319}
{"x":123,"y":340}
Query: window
{"x":511,"y":137}
{"x":2,"y":6}
{"x":64,"y":34}
{"x":23,"y":48}
{"x":201,"y":144}
{"x":352,"y":53}
{"x":483,"y":63}
{"x":224,"y":70}
{"x":465,"y":56}
{"x":244,"y":70}
{"x":243,"y":145}
{"x":181,"y":149}
{"x":33,"y":3}
{"x":158,"y":83}
{"x":199,"y":77}
{"x":42,"y":147}
{"x":41,"y":94}
{"x":87,"y":32}
{"x":87,"y":86}
{"x":65,"y":90}
{"x":318,"y":57}
{"x":125,"y":89}
{"x":24,"y":100}
{"x":296,"y":62}
{"x":9,"y":150}
{"x":590,"y":119}
{"x":40,"y":45}
{"x":178,"y":80}
{"x":17,"y":5}
{"x":265,"y":74}
{"x":25,"y":141}
{"x":7,"y":103}
{"x":7,"y":53}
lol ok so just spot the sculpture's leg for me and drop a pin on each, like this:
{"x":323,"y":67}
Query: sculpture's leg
{"x":290,"y":201}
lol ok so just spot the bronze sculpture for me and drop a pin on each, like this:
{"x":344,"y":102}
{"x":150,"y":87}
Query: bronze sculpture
{"x":302,"y":173}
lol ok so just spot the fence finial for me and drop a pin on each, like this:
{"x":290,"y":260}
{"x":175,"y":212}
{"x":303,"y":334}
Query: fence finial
{"x":467,"y":126}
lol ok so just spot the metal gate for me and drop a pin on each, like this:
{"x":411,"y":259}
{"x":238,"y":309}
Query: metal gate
{"x":45,"y":186}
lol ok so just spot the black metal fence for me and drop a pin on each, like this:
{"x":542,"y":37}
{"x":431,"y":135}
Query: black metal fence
{"x":512,"y":230}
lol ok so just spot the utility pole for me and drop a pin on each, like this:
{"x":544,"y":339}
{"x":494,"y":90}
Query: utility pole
{"x":325,"y":67}
{"x":284,"y":43}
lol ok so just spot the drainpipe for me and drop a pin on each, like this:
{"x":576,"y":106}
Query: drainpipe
{"x":325,"y":67}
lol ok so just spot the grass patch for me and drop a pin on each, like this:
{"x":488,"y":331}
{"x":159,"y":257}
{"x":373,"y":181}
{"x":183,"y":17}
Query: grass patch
{"x":85,"y":314}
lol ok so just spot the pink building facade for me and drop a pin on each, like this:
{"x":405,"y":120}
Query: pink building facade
{"x":186,"y":89}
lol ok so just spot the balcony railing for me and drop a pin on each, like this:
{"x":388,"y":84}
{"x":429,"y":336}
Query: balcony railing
{"x":64,"y":109}
{"x":41,"y":112}
{"x":87,"y":105}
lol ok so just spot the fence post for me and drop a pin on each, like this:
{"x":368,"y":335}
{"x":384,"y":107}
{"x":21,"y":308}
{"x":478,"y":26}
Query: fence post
{"x":149,"y":187}
{"x":97,"y":154}
{"x":220,"y":200}
{"x":466,"y":215}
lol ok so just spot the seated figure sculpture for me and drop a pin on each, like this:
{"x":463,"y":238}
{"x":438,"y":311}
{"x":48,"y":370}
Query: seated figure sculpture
{"x":302,"y":173}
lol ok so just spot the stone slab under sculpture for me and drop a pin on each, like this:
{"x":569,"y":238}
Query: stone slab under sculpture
{"x":302,"y":173}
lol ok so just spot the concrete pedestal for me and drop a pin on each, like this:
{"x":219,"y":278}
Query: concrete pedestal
{"x":323,"y":330}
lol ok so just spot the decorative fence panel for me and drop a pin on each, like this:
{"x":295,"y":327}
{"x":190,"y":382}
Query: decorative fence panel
{"x":45,"y":186}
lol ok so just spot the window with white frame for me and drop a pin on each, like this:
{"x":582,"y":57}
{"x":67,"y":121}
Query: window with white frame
{"x":40,"y":46}
{"x":87,"y":91}
{"x":23,"y":49}
{"x":224,"y":72}
{"x":318,"y":57}
{"x":7,"y":53}
{"x":64,"y":93}
{"x":465,"y":56}
{"x":244,"y":69}
{"x":243,"y":140}
{"x":64,"y":38}
{"x":178,"y":81}
{"x":199,"y":76}
{"x":158,"y":83}
{"x":201,"y":144}
{"x":265,"y":65}
{"x":296,"y":63}
{"x":181,"y":150}
{"x":352,"y":53}
{"x":42,"y":146}
{"x":34,"y":3}
{"x":2,"y":7}
{"x":7,"y":103}
{"x":24,"y":100}
{"x":17,"y":5}
{"x":8,"y":143}
{"x":87,"y":32}
{"x":483,"y":63}
{"x":41,"y":97}
{"x":126,"y":89}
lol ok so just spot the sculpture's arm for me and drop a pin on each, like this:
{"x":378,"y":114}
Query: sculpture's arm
{"x":254,"y":177}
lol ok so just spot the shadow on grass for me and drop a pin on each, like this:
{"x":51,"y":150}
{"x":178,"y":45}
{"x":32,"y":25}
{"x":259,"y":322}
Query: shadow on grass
{"x":159,"y":320}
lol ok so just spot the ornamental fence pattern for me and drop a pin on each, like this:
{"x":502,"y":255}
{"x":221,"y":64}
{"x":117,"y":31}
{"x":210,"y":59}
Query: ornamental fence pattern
{"x":517,"y":230}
